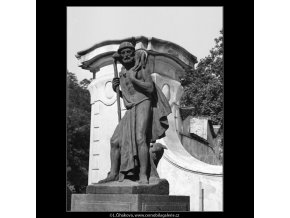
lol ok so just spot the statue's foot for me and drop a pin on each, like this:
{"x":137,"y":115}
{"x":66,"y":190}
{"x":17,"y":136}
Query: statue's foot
{"x":110,"y":178}
{"x":121,"y":177}
{"x":154,"y":179}
{"x":143,"y":180}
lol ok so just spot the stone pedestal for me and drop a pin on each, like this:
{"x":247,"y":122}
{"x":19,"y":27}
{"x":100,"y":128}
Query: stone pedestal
{"x":129,"y":196}
{"x":155,"y":187}
{"x":129,"y":202}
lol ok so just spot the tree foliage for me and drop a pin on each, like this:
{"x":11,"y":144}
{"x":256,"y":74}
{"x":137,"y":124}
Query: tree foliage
{"x":78,"y":134}
{"x":203,"y":88}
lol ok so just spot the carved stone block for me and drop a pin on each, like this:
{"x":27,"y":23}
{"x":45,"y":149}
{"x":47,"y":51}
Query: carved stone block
{"x":129,"y":202}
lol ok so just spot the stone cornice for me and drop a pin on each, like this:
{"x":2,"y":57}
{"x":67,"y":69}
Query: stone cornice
{"x":154,"y":46}
{"x":110,"y":42}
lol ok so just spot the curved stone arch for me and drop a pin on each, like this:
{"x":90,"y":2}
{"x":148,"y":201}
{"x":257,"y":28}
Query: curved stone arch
{"x":149,"y":43}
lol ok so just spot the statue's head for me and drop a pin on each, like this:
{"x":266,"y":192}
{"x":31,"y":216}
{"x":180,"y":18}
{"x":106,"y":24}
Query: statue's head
{"x":127,"y":52}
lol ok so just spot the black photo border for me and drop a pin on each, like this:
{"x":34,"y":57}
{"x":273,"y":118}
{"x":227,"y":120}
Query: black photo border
{"x":238,"y":107}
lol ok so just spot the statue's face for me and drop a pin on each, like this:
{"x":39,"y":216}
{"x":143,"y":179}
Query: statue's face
{"x":127,"y":55}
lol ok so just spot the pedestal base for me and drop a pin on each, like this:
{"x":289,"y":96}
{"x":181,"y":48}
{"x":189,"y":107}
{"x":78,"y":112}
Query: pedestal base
{"x":129,"y":202}
{"x":155,"y":187}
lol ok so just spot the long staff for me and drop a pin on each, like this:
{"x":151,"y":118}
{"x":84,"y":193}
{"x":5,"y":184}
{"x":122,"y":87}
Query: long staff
{"x":117,"y":90}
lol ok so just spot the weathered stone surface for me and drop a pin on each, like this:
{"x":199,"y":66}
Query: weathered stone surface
{"x":158,"y":187}
{"x":129,"y":202}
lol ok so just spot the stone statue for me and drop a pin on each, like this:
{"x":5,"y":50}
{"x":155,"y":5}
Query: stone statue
{"x":134,"y":153}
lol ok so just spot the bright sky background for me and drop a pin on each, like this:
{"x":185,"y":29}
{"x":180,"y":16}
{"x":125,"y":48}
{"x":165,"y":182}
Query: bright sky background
{"x":193,"y":28}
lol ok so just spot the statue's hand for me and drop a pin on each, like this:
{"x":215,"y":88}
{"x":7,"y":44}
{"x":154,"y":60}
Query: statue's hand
{"x":115,"y":83}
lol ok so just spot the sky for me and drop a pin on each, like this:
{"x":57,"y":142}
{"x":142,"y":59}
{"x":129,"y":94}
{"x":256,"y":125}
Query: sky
{"x":193,"y":28}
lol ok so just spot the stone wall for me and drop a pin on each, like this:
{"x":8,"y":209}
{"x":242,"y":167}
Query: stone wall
{"x":201,"y":144}
{"x":104,"y":119}
{"x":199,"y":150}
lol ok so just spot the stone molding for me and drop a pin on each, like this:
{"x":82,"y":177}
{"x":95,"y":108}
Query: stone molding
{"x":100,"y":54}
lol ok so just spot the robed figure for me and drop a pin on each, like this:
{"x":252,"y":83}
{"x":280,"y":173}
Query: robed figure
{"x":144,"y":122}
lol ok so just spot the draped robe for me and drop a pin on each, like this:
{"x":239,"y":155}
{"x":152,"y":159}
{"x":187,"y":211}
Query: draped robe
{"x":125,"y":132}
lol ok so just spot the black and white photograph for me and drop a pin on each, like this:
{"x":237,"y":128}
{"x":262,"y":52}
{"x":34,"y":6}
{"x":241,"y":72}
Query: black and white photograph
{"x":135,"y":106}
{"x":145,"y":109}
